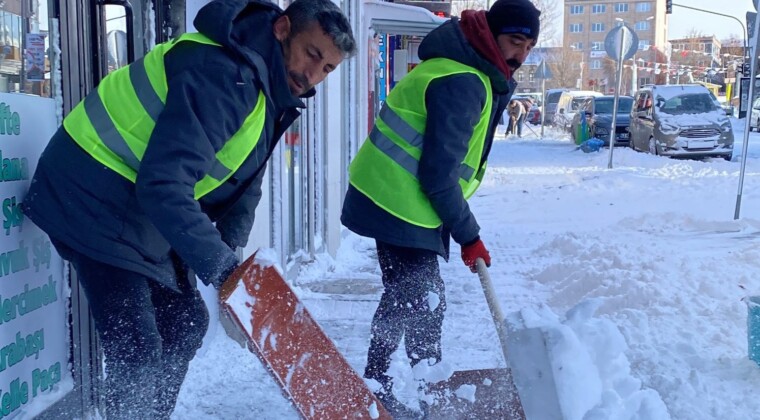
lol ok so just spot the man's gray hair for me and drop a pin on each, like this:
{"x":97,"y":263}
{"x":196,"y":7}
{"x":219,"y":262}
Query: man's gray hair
{"x":303,"y":13}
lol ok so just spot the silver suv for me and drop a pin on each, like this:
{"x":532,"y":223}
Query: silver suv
{"x":680,"y":121}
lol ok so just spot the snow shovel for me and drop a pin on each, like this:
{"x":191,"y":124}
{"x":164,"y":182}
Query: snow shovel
{"x":304,"y":362}
{"x":495,"y":394}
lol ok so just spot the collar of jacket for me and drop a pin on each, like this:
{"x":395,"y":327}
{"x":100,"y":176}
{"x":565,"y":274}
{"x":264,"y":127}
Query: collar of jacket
{"x":449,"y":41}
{"x":475,"y":28}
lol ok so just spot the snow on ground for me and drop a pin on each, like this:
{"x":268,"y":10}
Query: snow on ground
{"x":637,"y":272}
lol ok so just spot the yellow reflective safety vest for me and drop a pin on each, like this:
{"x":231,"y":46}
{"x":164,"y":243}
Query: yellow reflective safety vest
{"x":114,"y":123}
{"x":385,"y":168}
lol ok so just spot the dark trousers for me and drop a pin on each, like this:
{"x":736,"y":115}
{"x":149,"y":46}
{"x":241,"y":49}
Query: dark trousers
{"x":148,"y":334}
{"x":520,"y":122}
{"x":411,"y":307}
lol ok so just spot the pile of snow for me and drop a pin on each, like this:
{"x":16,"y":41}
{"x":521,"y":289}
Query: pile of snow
{"x":576,"y":367}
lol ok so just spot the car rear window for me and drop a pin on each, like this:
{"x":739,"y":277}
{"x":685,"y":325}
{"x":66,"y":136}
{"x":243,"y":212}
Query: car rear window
{"x":553,"y":97}
{"x":604,"y":106}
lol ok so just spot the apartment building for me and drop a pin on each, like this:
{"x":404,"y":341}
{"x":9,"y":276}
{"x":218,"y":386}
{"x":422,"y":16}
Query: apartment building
{"x":693,"y":58}
{"x":586,"y":25}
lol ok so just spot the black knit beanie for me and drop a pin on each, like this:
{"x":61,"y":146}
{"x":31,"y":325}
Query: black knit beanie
{"x":513,"y":17}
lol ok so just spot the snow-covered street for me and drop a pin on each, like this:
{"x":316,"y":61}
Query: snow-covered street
{"x":647,"y":252}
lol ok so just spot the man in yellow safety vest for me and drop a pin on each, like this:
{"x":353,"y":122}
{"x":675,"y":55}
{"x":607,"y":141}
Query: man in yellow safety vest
{"x":154,"y":178}
{"x":424,"y":158}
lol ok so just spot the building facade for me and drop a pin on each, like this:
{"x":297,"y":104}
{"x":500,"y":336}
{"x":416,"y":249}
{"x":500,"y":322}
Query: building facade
{"x":586,"y":25}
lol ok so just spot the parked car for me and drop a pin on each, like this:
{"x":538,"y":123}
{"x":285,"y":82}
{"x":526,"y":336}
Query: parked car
{"x":568,"y":105}
{"x":550,"y":104}
{"x":534,"y":96}
{"x":680,"y":121}
{"x":534,"y":115}
{"x":754,"y":116}
{"x":598,"y":113}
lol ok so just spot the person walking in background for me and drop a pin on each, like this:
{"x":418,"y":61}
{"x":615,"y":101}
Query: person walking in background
{"x":516,"y":113}
{"x":425,"y":156}
{"x":130,"y":186}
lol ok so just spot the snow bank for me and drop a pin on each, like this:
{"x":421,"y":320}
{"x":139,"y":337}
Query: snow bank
{"x":576,"y":368}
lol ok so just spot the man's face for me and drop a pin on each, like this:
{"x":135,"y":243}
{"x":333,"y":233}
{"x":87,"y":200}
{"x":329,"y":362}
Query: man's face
{"x":309,"y":56}
{"x":515,"y":48}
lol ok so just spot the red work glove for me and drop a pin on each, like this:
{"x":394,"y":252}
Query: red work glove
{"x":473,"y":251}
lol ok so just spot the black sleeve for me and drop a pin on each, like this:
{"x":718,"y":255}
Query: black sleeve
{"x":235,"y":226}
{"x":454,"y":104}
{"x":205,"y":106}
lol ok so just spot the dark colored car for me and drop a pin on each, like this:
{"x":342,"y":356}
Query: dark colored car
{"x":598,"y":113}
{"x":534,"y":115}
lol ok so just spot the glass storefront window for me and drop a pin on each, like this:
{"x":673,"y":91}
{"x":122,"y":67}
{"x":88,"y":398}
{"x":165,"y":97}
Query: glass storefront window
{"x":116,"y":36}
{"x":25,"y":64}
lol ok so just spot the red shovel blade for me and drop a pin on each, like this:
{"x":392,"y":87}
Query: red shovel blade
{"x":303,"y":360}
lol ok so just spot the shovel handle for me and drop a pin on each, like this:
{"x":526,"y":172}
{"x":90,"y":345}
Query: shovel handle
{"x":493,"y":306}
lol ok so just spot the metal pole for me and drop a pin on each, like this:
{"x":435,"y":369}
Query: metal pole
{"x":543,"y":104}
{"x":613,"y":125}
{"x":745,"y":143}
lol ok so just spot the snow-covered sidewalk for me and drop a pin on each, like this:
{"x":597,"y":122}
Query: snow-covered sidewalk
{"x":646,"y":257}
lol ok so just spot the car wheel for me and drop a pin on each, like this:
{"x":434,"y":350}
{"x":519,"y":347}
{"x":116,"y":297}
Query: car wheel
{"x":653,"y":146}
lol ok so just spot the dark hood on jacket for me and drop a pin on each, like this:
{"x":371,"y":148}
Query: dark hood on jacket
{"x":246,"y":28}
{"x":448,"y":41}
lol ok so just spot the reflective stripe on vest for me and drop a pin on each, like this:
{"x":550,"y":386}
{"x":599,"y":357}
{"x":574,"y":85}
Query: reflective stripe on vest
{"x":385,"y":168}
{"x":114,"y":122}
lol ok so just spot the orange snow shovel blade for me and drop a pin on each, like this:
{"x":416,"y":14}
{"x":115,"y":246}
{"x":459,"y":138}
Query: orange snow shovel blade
{"x":475,"y":394}
{"x":302,"y":359}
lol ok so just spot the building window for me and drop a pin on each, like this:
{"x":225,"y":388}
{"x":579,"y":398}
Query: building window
{"x":642,"y":25}
{"x":576,"y":27}
{"x":708,"y":48}
{"x":530,"y":77}
{"x":597,"y":46}
{"x":598,"y":8}
{"x":621,"y":7}
{"x":644,"y":44}
{"x":576,"y":10}
{"x":643,"y":7}
{"x":577,"y":45}
{"x":597,"y":27}
{"x":596,"y":64}
{"x":520,"y":76}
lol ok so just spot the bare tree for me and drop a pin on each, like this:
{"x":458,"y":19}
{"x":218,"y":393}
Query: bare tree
{"x":458,"y":5}
{"x":551,"y":11}
{"x":565,"y":67}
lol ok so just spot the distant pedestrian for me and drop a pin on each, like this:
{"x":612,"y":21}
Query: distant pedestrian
{"x":516,"y":113}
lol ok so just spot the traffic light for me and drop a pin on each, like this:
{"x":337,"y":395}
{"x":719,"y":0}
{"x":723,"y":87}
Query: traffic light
{"x":745,"y":69}
{"x":668,"y":6}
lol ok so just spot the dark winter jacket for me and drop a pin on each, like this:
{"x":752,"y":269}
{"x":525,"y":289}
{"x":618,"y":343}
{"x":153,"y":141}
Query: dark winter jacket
{"x":211,"y":90}
{"x":454,"y":104}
